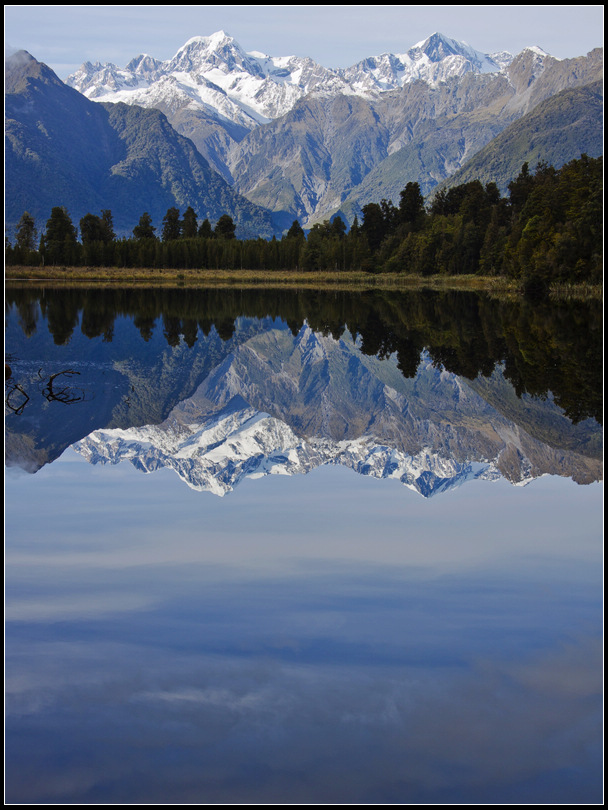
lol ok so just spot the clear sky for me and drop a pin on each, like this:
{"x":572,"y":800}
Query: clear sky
{"x":336,"y":36}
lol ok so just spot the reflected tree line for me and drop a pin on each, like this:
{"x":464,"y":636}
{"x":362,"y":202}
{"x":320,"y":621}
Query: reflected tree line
{"x":541,"y":348}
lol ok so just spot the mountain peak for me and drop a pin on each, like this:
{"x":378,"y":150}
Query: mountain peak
{"x":438,"y":46}
{"x":219,"y":42}
{"x":24,"y":63}
{"x":21,"y":66}
{"x":142,"y":63}
{"x":211,"y":42}
{"x":219,"y":51}
{"x":22,"y":57}
{"x":536,"y":49}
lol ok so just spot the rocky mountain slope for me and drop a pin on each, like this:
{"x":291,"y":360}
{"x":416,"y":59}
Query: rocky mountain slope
{"x":296,"y":137}
{"x":62,"y":149}
{"x":333,"y":154}
{"x":567,"y":123}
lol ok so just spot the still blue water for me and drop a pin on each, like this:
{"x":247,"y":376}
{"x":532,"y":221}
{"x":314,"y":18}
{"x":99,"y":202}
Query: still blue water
{"x":328,"y":637}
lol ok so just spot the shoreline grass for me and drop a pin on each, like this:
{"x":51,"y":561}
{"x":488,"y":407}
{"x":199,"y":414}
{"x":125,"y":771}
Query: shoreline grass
{"x":346,"y":281}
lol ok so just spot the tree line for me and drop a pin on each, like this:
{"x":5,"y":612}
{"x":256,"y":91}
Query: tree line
{"x":547,"y":228}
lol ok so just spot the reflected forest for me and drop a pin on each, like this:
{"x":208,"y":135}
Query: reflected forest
{"x":542,"y":348}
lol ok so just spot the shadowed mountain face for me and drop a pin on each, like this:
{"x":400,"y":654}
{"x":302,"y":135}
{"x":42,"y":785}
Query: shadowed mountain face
{"x":219,"y":400}
{"x":62,"y":149}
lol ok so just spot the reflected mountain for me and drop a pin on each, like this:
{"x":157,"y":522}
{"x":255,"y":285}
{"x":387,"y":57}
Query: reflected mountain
{"x":116,"y":379}
{"x":285,"y":404}
{"x":430,"y":388}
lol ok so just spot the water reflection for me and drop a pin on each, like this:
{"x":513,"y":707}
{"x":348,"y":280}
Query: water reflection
{"x":322,"y":638}
{"x":280,"y":404}
{"x":326,"y":638}
{"x":554,"y":346}
{"x":432,"y":389}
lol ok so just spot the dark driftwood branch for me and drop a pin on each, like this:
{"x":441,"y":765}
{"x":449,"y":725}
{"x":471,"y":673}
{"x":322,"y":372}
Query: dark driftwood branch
{"x":64,"y":395}
{"x":19,"y":408}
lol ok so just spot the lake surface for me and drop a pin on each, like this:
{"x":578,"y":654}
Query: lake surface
{"x":302,"y":547}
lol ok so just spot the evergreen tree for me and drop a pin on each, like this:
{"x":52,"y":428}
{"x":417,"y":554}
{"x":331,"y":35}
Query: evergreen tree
{"x":390,"y":215}
{"x":189,"y":224}
{"x":144,"y":230}
{"x":107,"y":227}
{"x":60,"y":237}
{"x":296,"y":231}
{"x":373,"y":226}
{"x":26,"y":233}
{"x":520,"y":188}
{"x":338,"y":226}
{"x":171,"y":225}
{"x":90,"y":229}
{"x":225,"y":227}
{"x":411,"y":206}
{"x":206,"y":231}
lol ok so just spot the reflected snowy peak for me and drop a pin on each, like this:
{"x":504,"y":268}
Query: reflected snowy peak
{"x":285,"y":404}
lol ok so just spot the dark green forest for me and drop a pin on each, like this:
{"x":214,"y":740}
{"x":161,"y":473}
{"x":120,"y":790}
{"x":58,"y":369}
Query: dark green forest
{"x":549,"y":228}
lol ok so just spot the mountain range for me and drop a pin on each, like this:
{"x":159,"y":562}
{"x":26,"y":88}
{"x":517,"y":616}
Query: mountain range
{"x":251,"y":134}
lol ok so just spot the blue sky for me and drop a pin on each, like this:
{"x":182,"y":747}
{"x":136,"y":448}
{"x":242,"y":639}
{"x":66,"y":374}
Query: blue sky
{"x":336,"y":36}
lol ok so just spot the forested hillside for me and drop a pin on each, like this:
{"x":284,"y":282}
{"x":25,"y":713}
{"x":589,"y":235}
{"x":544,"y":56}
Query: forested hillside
{"x":62,"y":149}
{"x":548,"y":228}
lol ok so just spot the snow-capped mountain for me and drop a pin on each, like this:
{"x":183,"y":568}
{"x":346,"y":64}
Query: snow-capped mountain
{"x":214,"y":73}
{"x":432,"y":61}
{"x":307,"y":142}
{"x":300,"y":139}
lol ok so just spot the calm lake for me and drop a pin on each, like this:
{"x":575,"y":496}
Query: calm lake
{"x":302,"y":547}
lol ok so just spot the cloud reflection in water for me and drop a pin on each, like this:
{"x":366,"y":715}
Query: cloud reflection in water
{"x":328,"y":638}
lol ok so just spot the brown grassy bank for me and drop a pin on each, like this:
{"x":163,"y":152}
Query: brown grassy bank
{"x":277,"y":278}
